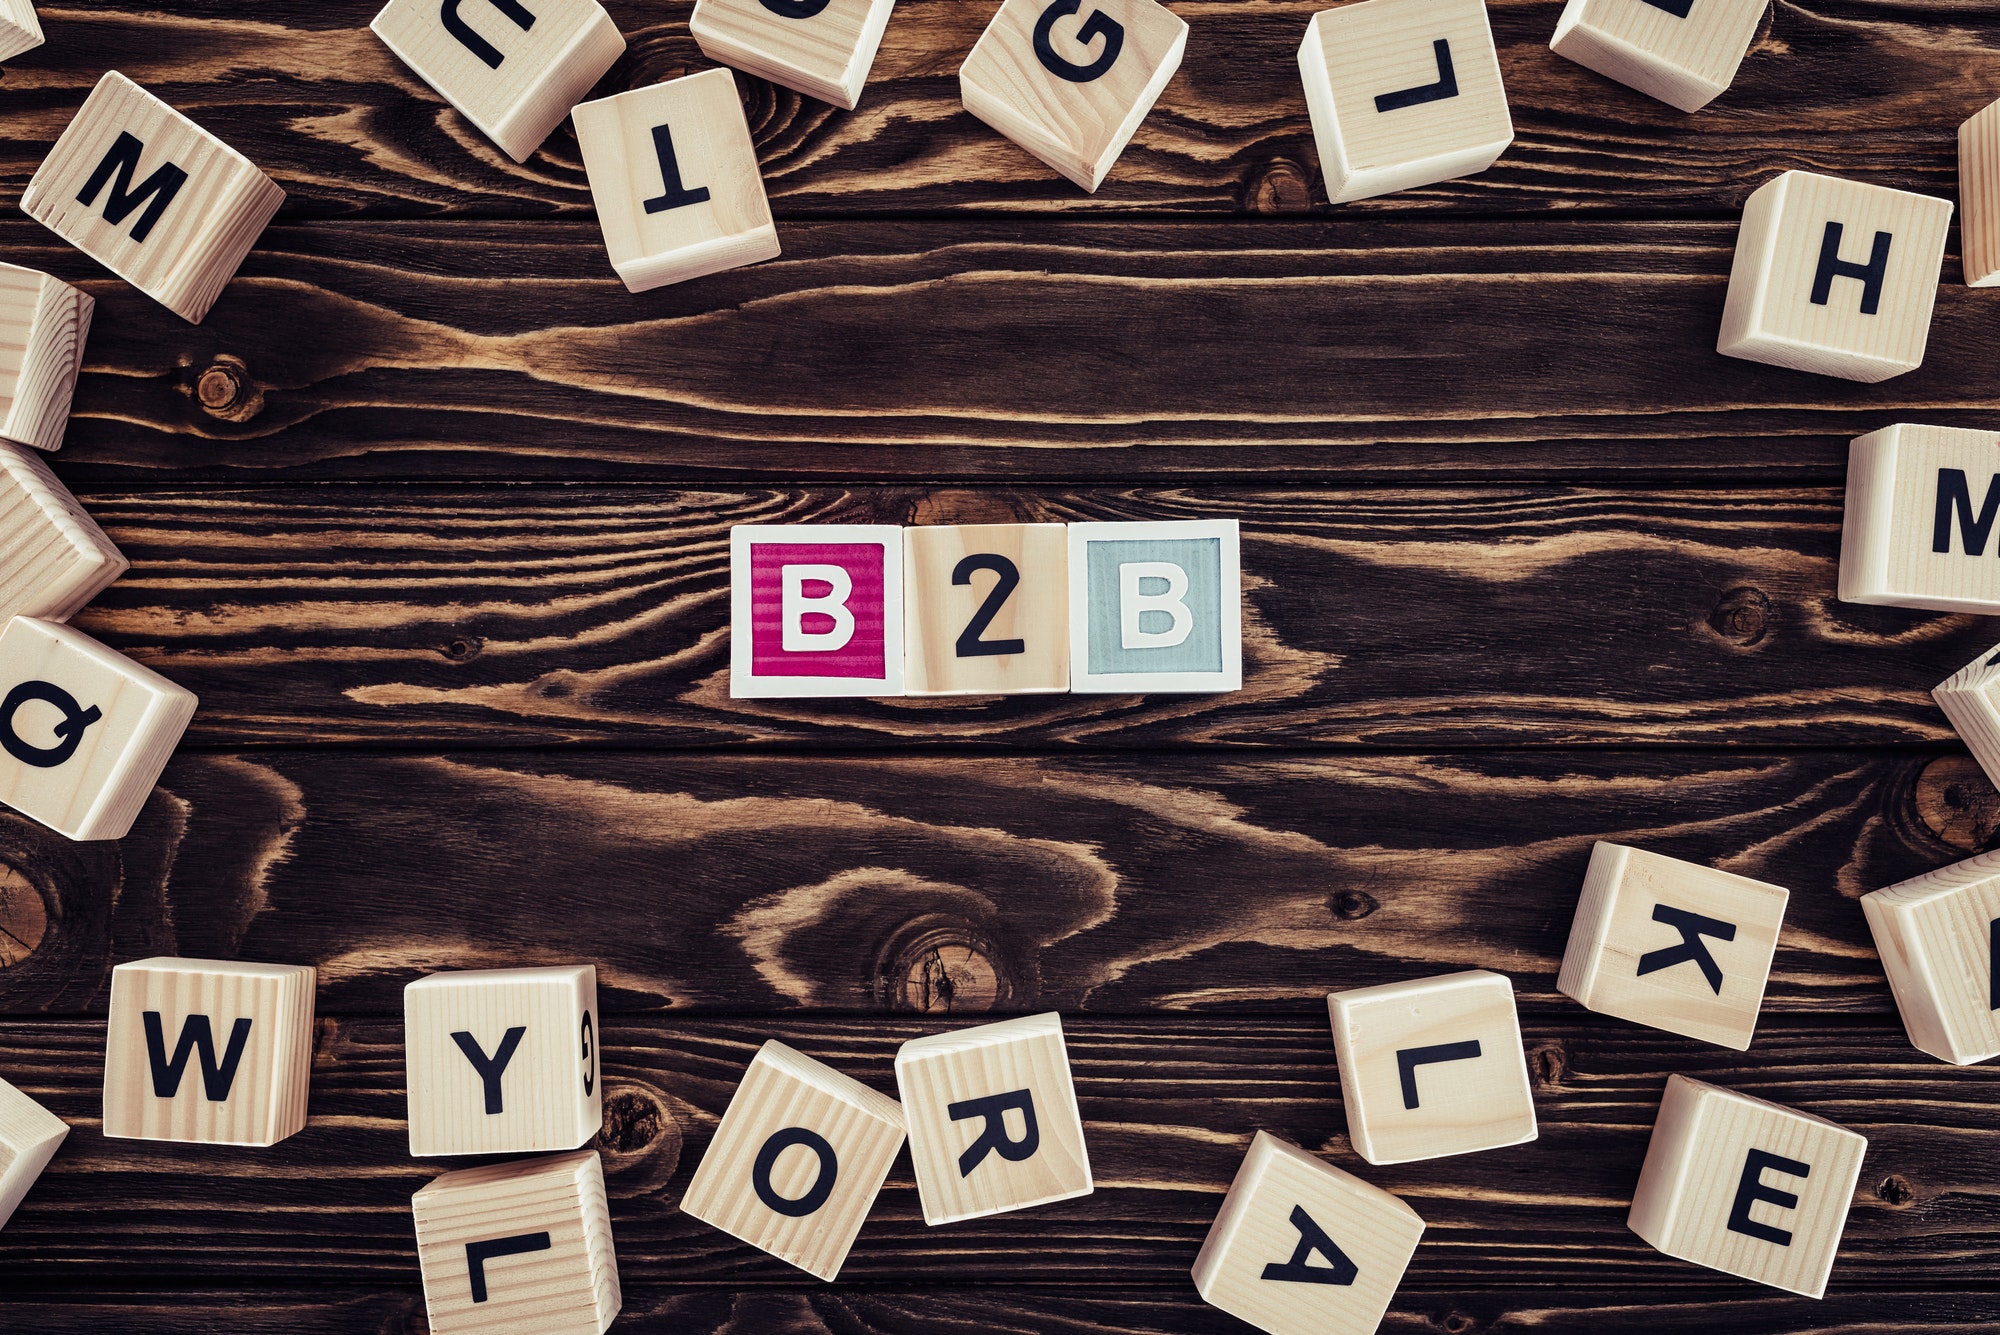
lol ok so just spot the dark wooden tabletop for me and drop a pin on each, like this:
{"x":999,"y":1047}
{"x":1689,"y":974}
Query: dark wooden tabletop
{"x":433,"y":515}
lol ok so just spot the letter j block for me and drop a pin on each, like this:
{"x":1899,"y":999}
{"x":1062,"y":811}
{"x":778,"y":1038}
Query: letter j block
{"x":1155,"y":607}
{"x":815,"y":609}
{"x":1919,"y":528}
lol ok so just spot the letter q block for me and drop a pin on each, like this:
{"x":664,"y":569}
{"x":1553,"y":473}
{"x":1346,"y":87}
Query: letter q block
{"x":1919,"y":529}
{"x":29,"y":1137}
{"x":1683,"y":52}
{"x":986,"y":609}
{"x":1937,"y":935}
{"x":815,"y":610}
{"x":1155,"y":607}
{"x":43,"y":323}
{"x":822,"y":48}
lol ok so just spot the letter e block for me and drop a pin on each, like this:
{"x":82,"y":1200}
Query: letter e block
{"x":815,"y":609}
{"x":1936,"y":934}
{"x":798,"y":1160}
{"x":986,"y":609}
{"x":29,"y":1136}
{"x":1155,"y":607}
{"x":1979,"y":196}
{"x":20,"y":30}
{"x":822,"y":48}
{"x":53,"y":556}
{"x":208,"y":1051}
{"x":1746,"y":1187}
{"x":43,"y":322}
{"x":152,"y":197}
{"x":1919,"y":526}
{"x":1303,"y":1248}
{"x":993,"y":1119}
{"x":1683,"y":52}
{"x":519,"y":1247}
{"x":1834,"y":277}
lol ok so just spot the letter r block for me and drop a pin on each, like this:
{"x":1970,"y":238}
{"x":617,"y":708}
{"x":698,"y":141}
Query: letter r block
{"x":1155,"y":607}
{"x":1937,"y":935}
{"x":822,"y":48}
{"x":993,"y":1119}
{"x":1922,"y":522}
{"x":815,"y":609}
{"x":1683,"y":52}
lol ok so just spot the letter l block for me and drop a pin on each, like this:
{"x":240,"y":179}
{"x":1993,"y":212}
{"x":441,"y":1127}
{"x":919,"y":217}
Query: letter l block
{"x":1922,"y":520}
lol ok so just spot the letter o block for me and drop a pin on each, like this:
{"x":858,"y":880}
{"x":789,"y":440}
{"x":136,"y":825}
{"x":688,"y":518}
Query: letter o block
{"x":815,"y":610}
{"x":1937,"y":935}
{"x":822,"y":48}
{"x":1922,"y":521}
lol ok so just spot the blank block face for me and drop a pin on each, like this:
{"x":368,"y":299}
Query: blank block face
{"x":1746,"y":1187}
{"x":993,"y":1119}
{"x":1303,"y":1248}
{"x":29,"y":1137}
{"x":1070,"y":80}
{"x":84,"y":732}
{"x":43,"y":323}
{"x":1674,"y":945}
{"x":1155,"y":607}
{"x":822,"y":48}
{"x":53,"y":556}
{"x":520,"y":1248}
{"x":815,"y":609}
{"x":1432,"y":1067}
{"x":1970,"y":698}
{"x":514,"y":68}
{"x":798,"y":1160}
{"x":20,"y":28}
{"x":1936,"y":934}
{"x":1403,"y":93}
{"x":1834,"y":277}
{"x":1683,"y":52}
{"x":1918,"y":529}
{"x":503,"y":1061}
{"x":152,"y":197}
{"x":1979,"y":196}
{"x":210,"y":1051}
{"x":986,"y":609}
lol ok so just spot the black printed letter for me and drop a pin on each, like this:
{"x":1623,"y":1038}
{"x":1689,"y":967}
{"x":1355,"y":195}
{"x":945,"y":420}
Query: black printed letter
{"x":1312,"y":1238}
{"x":471,"y":40}
{"x":477,"y":1254}
{"x":796,"y":1207}
{"x":796,"y":9}
{"x":1750,"y":1189}
{"x":1446,"y":85}
{"x":993,"y":1136}
{"x":1409,"y":1059}
{"x":195,"y":1033}
{"x":1097,"y":25}
{"x":676,"y":195}
{"x":117,"y":168}
{"x":490,"y":1069}
{"x":1692,"y":927}
{"x":76,"y":720}
{"x":1678,"y":8}
{"x":1954,"y":497}
{"x":1831,"y":266}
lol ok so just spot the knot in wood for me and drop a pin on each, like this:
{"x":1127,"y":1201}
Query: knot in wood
{"x":1458,"y":1323}
{"x":225,"y":390}
{"x":463,"y":648}
{"x":1352,"y":905}
{"x":1896,"y":1192}
{"x":1742,"y":616}
{"x":945,"y":970}
{"x":631,"y":1122}
{"x":24,"y":916}
{"x":1549,"y":1064}
{"x":1280,"y":186}
{"x":1957,"y":803}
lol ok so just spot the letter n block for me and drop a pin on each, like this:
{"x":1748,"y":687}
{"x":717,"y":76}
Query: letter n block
{"x":519,"y":1247}
{"x":1937,"y":935}
{"x":1303,"y":1248}
{"x":1919,"y":528}
{"x":503,"y":1061}
{"x":1674,"y":945}
{"x":986,"y":609}
{"x":815,"y":609}
{"x":1155,"y":607}
{"x":209,"y":1051}
{"x":822,"y":48}
{"x":1683,"y":52}
{"x":29,"y":1137}
{"x":1746,"y":1187}
{"x":993,"y":1119}
{"x":152,"y":197}
{"x":798,"y":1160}
{"x":1834,"y":277}
{"x":1432,"y":1067}
{"x":53,"y":556}
{"x":43,"y":322}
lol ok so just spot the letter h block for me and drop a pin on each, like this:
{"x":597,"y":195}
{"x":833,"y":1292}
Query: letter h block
{"x":1919,"y":525}
{"x":815,"y":610}
{"x":1683,"y":52}
{"x":29,"y":1137}
{"x":986,"y":609}
{"x":993,"y":1119}
{"x":1746,"y":1187}
{"x":208,"y":1051}
{"x":822,"y":48}
{"x":1939,"y":938}
{"x":1155,"y":607}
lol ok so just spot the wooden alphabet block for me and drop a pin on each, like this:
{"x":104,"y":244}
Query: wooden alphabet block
{"x":822,"y":48}
{"x":1070,"y":80}
{"x":43,"y":322}
{"x":1303,"y":1248}
{"x":1155,"y":607}
{"x":53,"y":556}
{"x":1746,"y":1187}
{"x":1937,"y":935}
{"x":209,"y":1051}
{"x":1403,"y":93}
{"x":514,"y":68}
{"x":520,"y":1248}
{"x":1672,"y":944}
{"x":502,"y":1061}
{"x":152,"y":197}
{"x":1834,"y":277}
{"x":993,"y":1119}
{"x":85,"y":731}
{"x":1979,"y":196}
{"x":1918,"y":529}
{"x":815,"y":609}
{"x":1970,"y":698}
{"x":986,"y":609}
{"x":29,"y":1137}
{"x":675,"y":179}
{"x":798,"y":1160}
{"x":1432,"y":1067}
{"x":1683,"y":52}
{"x":20,"y":28}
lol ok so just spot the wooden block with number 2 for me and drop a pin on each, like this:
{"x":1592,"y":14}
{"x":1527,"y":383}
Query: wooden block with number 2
{"x":986,"y":609}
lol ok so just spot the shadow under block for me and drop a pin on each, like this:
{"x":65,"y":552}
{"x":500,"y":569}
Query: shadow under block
{"x":1834,"y":277}
{"x":675,"y":180}
{"x":84,"y":731}
{"x":1432,"y":1067}
{"x":152,"y":197}
{"x":514,"y":68}
{"x":43,"y":323}
{"x":815,"y":610}
{"x":993,"y":1119}
{"x":1918,"y":527}
{"x":1683,"y":52}
{"x":1303,"y":1248}
{"x":520,"y":1248}
{"x":1979,"y":196}
{"x":1156,"y":607}
{"x":798,"y":1160}
{"x":822,"y":48}
{"x":503,"y":1061}
{"x":1936,"y":935}
{"x":1070,"y":80}
{"x":1746,"y":1187}
{"x":29,"y":1137}
{"x":986,"y":609}
{"x":213,"y":1052}
{"x":1403,"y":93}
{"x":53,"y":556}
{"x":1672,"y":944}
{"x":20,"y":28}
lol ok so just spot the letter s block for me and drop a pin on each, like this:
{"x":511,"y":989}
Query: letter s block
{"x":1937,"y":935}
{"x":29,"y":1137}
{"x":1155,"y":607}
{"x":209,"y":1051}
{"x":986,"y":609}
{"x":1683,"y":52}
{"x":815,"y":609}
{"x":822,"y":48}
{"x":1922,"y":521}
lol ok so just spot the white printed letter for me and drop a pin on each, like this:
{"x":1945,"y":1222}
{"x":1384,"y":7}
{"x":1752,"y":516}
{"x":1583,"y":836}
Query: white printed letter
{"x":1132,"y":604}
{"x":799,"y":640}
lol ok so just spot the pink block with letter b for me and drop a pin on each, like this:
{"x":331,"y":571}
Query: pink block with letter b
{"x":815,"y":610}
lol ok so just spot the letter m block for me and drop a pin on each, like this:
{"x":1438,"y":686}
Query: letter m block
{"x":1923,"y":507}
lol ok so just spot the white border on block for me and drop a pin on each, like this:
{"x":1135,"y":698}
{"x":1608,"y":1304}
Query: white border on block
{"x":742,"y":684}
{"x":1085,"y":682}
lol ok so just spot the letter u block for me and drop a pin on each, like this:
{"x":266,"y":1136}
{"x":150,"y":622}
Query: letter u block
{"x":208,"y":1051}
{"x":152,"y":197}
{"x":798,"y":1160}
{"x":1155,"y":607}
{"x":29,"y":1137}
{"x":43,"y":323}
{"x":815,"y":610}
{"x":822,"y":48}
{"x":1939,"y":938}
{"x":986,"y":609}
{"x":993,"y":1119}
{"x":503,"y":1061}
{"x":1683,"y":52}
{"x":1746,"y":1187}
{"x":1919,"y":524}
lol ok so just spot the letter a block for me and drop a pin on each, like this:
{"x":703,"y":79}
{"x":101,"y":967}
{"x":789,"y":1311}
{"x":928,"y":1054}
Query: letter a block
{"x":821,"y":48}
{"x":208,"y":1051}
{"x":815,"y":609}
{"x":986,"y":609}
{"x":1834,"y":277}
{"x":43,"y":322}
{"x":798,"y":1160}
{"x":29,"y":1136}
{"x":53,"y":556}
{"x":1937,"y":935}
{"x":1432,"y":1067}
{"x":1746,"y":1187}
{"x":1155,"y":607}
{"x":1070,"y":80}
{"x":522,"y":1248}
{"x":1918,"y":530}
{"x":1979,"y":196}
{"x":993,"y":1119}
{"x":152,"y":197}
{"x":1683,"y":52}
{"x":1670,"y":944}
{"x":503,"y":1061}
